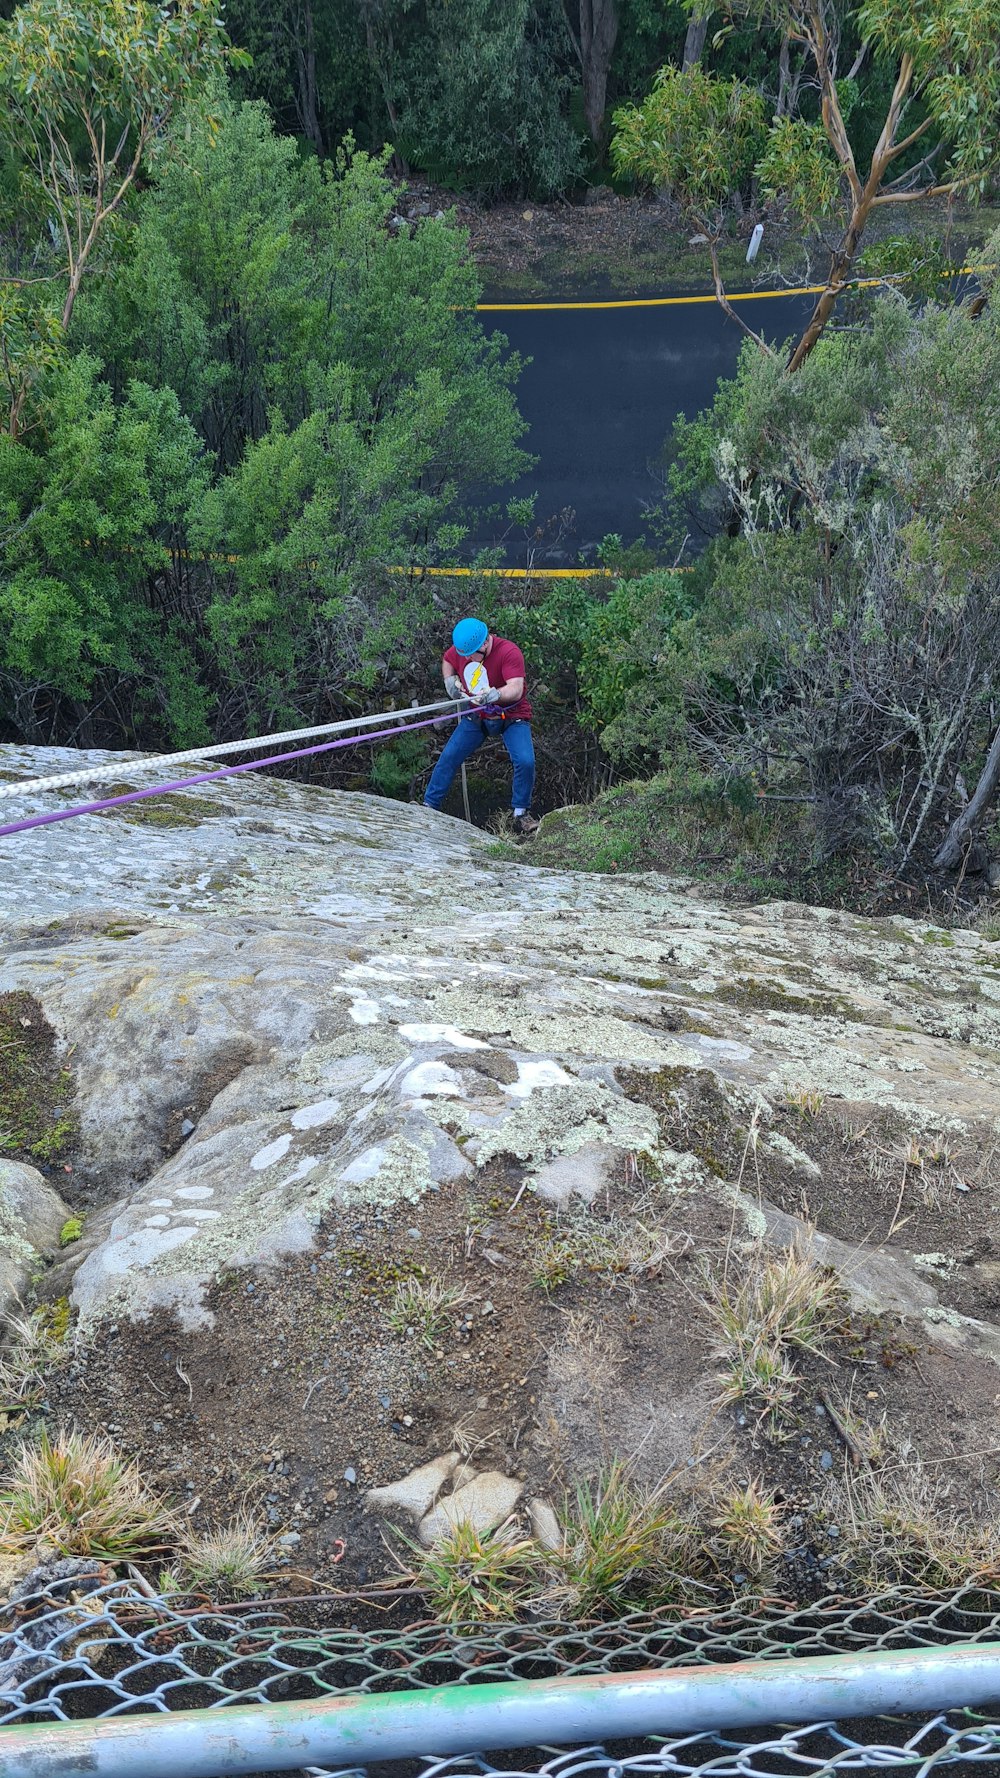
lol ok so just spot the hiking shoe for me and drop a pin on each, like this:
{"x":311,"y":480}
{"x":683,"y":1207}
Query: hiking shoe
{"x":526,"y":827}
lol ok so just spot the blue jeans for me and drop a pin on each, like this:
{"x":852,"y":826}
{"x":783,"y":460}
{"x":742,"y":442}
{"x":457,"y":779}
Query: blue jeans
{"x":470,"y":733}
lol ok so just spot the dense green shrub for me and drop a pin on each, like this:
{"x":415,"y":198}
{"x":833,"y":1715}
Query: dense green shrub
{"x":272,"y":373}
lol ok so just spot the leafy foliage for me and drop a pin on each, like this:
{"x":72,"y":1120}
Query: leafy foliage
{"x":482,"y":97}
{"x":273,"y":373}
{"x":90,"y":89}
{"x":702,"y":138}
{"x":696,"y":134}
{"x":840,"y":647}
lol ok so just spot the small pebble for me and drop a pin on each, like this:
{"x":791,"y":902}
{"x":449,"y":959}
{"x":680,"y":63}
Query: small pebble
{"x":414,"y":1234}
{"x":825,"y":1460}
{"x":350,"y":1477}
{"x":187,"y":1127}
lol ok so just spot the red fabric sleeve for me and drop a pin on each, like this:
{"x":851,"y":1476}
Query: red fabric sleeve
{"x":511,"y":662}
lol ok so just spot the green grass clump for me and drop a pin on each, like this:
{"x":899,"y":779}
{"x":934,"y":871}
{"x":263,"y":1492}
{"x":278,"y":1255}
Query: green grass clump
{"x":420,"y":1309}
{"x":625,"y":1546}
{"x":71,"y":1231}
{"x":76,"y":1496}
{"x":478,"y":1577}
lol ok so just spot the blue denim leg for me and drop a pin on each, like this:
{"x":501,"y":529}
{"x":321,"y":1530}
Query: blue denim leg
{"x":518,"y":742}
{"x":468,"y":736}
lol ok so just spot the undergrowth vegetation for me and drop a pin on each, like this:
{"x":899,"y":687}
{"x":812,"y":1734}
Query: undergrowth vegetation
{"x":776,"y":1306}
{"x":37,"y":1121}
{"x":690,"y":1544}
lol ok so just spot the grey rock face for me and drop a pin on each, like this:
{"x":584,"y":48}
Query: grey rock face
{"x":31,"y":1217}
{"x":335,"y":999}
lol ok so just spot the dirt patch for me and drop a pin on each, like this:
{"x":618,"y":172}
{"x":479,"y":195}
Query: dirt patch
{"x":202,"y":1090}
{"x":37,"y":1120}
{"x":303,"y":1396}
{"x":617,"y":245}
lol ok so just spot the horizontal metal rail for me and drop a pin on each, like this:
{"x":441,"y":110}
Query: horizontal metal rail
{"x":358,"y":1730}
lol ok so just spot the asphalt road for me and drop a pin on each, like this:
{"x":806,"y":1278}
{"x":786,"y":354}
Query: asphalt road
{"x":600,"y":395}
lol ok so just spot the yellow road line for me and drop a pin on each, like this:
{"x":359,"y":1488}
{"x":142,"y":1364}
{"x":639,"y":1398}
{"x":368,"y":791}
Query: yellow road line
{"x":739,"y":296}
{"x":513,"y":573}
{"x":657,"y":302}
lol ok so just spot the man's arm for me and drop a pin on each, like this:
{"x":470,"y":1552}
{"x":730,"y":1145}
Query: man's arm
{"x":511,"y":692}
{"x":452,"y":683}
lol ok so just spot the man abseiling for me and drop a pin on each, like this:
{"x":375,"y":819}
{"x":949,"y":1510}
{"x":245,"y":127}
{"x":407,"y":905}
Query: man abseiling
{"x":502,"y":709}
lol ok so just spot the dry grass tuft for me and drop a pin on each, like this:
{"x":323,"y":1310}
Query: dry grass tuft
{"x":230,"y":1562}
{"x":902,"y":1530}
{"x":783,"y":1304}
{"x":33,"y":1347}
{"x":78,"y":1497}
{"x":747,"y":1526}
{"x":420,"y":1309}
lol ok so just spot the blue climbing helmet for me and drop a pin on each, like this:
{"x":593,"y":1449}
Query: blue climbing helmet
{"x":469,"y":635}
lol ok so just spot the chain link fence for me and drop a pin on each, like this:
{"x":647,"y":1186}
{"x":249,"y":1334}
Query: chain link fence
{"x":85,"y":1648}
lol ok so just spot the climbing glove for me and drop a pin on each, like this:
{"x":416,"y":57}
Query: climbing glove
{"x":492,"y":696}
{"x":453,"y":686}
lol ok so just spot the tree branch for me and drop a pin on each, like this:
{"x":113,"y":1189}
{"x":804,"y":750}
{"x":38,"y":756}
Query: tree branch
{"x":727,"y":307}
{"x":929,"y":191}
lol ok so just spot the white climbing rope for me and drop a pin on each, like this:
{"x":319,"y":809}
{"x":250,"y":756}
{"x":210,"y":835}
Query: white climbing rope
{"x":157,"y":761}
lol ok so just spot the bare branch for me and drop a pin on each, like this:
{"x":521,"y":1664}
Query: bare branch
{"x":727,"y":307}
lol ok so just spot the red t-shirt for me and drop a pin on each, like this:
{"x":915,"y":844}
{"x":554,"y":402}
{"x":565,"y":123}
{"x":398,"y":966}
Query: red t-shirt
{"x":504,"y":661}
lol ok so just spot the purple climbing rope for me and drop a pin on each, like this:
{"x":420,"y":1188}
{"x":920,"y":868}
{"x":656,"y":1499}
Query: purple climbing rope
{"x":254,"y":765}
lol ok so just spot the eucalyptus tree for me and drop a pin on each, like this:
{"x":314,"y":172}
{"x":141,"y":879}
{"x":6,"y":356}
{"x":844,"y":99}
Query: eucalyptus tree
{"x":89,"y":90}
{"x":939,"y":135}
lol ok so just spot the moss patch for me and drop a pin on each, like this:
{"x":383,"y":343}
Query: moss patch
{"x":37,"y":1120}
{"x":173,"y":810}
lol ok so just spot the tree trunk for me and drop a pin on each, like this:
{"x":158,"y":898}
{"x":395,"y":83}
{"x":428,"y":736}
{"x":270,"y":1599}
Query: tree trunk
{"x":788,"y":83}
{"x":840,"y":269}
{"x":598,"y":36}
{"x":953,"y":849}
{"x":306,"y":95}
{"x":694,"y":41}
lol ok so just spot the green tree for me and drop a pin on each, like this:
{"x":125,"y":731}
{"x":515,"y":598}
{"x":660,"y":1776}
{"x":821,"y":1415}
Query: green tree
{"x":88,"y":503}
{"x":944,"y":101}
{"x":476,"y":91}
{"x":340,"y":377}
{"x":89,"y":90}
{"x":843,"y":646}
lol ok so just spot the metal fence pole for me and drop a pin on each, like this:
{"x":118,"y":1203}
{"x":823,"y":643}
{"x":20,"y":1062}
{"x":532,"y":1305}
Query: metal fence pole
{"x":356,"y":1730}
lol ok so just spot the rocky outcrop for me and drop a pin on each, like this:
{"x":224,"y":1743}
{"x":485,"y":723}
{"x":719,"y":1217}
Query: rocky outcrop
{"x":295,"y":1015}
{"x":313,"y":981}
{"x":31,"y":1217}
